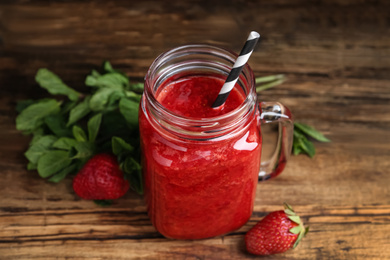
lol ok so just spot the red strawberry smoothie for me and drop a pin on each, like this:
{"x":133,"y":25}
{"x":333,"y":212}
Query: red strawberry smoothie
{"x":199,"y":189}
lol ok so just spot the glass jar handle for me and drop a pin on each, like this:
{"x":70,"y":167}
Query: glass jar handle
{"x":272,"y":112}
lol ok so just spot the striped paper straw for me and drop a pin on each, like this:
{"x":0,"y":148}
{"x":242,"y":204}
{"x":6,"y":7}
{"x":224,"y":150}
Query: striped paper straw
{"x":237,"y":68}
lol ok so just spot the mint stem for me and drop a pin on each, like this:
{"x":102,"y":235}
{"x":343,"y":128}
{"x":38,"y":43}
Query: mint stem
{"x":264,"y":79}
{"x":270,"y":81}
{"x":269,"y":85}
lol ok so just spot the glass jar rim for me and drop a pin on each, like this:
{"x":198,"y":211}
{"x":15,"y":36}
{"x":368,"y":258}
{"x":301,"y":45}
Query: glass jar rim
{"x":209,"y":124}
{"x":215,"y":50}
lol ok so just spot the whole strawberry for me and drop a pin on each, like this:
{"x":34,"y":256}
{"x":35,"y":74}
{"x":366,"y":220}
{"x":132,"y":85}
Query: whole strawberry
{"x":275,"y":233}
{"x":100,"y":179}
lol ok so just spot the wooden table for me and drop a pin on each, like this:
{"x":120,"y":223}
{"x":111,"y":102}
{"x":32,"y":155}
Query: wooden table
{"x":336,"y":55}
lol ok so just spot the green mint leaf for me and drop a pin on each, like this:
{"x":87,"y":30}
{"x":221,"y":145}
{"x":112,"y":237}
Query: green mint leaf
{"x":52,"y":162}
{"x":296,"y":148}
{"x":54,"y":85}
{"x":310,"y":131}
{"x":107,"y":66}
{"x":63,"y":173}
{"x":133,"y":173}
{"x":129,"y":110}
{"x":100,"y":99}
{"x":31,"y":166}
{"x":137,"y":87}
{"x":39,"y":148}
{"x":79,"y":134}
{"x":120,"y":146}
{"x":112,"y":102}
{"x":133,"y":96}
{"x":308,"y":147}
{"x":65,"y":143}
{"x":93,"y":126}
{"x":56,"y":123}
{"x":37,"y":134}
{"x":91,"y":80}
{"x":67,"y":106}
{"x":114,"y":80}
{"x":103,"y":203}
{"x":23,"y":104}
{"x":32,"y":117}
{"x":304,"y":144}
{"x":114,"y":124}
{"x":79,"y":111}
{"x":82,"y":150}
{"x":95,"y":73}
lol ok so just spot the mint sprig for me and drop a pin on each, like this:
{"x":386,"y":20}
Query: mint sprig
{"x":54,"y":85}
{"x":129,"y":163}
{"x":310,"y":131}
{"x":67,"y":131}
{"x":302,"y":133}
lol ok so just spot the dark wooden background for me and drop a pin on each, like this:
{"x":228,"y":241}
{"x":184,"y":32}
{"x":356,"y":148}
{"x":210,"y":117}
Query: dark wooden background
{"x":336,"y":55}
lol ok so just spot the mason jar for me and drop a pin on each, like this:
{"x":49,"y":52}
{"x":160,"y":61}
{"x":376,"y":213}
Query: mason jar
{"x":201,"y":173}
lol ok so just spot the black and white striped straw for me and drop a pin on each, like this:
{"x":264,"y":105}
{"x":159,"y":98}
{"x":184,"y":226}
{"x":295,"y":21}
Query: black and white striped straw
{"x":237,"y":68}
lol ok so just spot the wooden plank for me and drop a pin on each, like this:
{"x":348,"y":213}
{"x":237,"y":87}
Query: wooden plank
{"x":301,"y":38}
{"x":336,"y":55}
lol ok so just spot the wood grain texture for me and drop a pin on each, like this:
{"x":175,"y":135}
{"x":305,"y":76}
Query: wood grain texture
{"x":336,"y":55}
